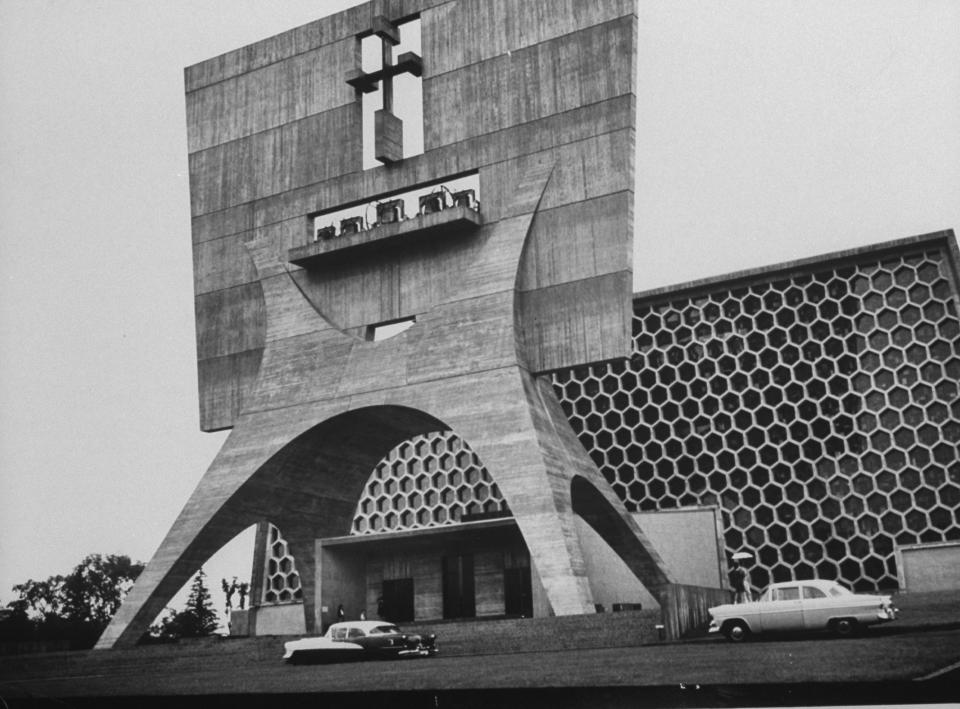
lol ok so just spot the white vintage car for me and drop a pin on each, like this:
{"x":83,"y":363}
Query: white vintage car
{"x":801,"y":605}
{"x":360,"y":640}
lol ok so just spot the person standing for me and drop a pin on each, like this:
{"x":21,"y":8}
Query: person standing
{"x":740,"y":583}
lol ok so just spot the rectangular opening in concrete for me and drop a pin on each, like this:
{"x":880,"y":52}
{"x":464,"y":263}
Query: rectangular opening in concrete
{"x":386,"y":330}
{"x":427,"y":198}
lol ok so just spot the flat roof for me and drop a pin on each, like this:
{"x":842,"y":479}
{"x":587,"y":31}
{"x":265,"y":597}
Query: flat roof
{"x":762,"y":274}
{"x":448,"y":530}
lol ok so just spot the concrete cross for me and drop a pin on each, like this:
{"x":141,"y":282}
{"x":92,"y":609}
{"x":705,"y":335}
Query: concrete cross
{"x":388,"y":128}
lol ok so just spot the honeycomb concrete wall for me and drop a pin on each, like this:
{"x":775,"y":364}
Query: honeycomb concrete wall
{"x":428,"y":481}
{"x":281,"y":581}
{"x":816,"y":404}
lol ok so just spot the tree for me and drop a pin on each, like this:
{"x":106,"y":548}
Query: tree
{"x":76,"y":607}
{"x":196,"y":620}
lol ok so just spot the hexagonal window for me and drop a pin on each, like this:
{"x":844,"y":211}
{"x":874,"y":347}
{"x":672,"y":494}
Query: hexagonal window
{"x":933,"y":311}
{"x":893,"y":358}
{"x":882,"y":280}
{"x":897,"y":297}
{"x":421,"y":448}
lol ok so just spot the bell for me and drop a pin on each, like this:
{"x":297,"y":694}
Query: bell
{"x":431,"y":203}
{"x":327,"y":232}
{"x":390,"y":212}
{"x":466,"y":198}
{"x":352,"y":225}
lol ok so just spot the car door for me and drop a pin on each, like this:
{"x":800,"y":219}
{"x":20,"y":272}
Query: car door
{"x":817,"y":608}
{"x":784,"y":611}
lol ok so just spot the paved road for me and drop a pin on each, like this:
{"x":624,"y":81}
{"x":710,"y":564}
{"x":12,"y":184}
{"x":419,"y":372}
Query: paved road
{"x":708,"y":669}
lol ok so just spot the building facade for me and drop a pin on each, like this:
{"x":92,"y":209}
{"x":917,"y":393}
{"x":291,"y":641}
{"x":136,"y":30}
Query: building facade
{"x":444,"y":400}
{"x":815,"y":404}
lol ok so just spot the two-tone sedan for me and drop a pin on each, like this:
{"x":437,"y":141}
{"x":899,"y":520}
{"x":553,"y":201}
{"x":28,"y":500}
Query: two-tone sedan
{"x":802,"y":605}
{"x":360,"y":640}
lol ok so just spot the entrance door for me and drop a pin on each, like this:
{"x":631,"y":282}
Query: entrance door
{"x":517,"y":594}
{"x":398,"y":600}
{"x":459,"y":598}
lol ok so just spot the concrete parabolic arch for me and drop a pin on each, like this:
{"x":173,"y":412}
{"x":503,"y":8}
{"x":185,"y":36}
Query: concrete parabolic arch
{"x":462,"y":366}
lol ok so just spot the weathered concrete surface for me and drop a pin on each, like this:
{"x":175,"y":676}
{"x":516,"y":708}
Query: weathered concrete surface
{"x":929,"y":567}
{"x":546,"y":282}
{"x":275,"y":135}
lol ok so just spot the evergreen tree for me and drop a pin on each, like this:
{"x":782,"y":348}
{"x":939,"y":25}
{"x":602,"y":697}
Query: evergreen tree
{"x":197,"y":619}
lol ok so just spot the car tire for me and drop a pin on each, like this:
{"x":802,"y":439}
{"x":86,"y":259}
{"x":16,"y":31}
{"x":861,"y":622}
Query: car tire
{"x":736,"y":631}
{"x":845,"y":627}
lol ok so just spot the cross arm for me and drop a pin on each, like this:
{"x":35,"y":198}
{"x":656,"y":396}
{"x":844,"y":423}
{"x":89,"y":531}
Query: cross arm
{"x":408,"y":62}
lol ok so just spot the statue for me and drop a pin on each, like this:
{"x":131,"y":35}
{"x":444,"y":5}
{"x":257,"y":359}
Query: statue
{"x":243,"y":589}
{"x":229,"y":588}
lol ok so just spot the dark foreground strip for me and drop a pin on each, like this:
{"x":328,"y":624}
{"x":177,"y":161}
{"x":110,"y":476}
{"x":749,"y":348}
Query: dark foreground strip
{"x":766,"y":695}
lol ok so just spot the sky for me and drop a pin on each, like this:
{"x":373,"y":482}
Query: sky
{"x":768,"y":130}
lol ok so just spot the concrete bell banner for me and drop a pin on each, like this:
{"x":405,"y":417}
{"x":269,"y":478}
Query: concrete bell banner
{"x":283,"y":359}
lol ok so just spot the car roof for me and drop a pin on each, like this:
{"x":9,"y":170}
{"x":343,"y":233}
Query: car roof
{"x":819,"y":583}
{"x":363,"y":625}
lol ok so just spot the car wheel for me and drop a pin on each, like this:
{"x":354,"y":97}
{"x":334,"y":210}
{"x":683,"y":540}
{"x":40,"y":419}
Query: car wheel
{"x":845,"y":627}
{"x":736,"y":631}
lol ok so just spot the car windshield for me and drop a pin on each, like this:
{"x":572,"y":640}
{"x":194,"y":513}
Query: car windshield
{"x":384,"y":630}
{"x":836,"y":589}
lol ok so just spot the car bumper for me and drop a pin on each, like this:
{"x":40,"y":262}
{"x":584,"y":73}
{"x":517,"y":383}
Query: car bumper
{"x":885,"y":615}
{"x":417,"y":652}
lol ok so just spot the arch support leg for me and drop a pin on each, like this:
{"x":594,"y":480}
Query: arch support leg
{"x":534,"y":456}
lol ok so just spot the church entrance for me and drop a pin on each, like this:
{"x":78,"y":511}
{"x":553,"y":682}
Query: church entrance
{"x":459,"y":596}
{"x":517,"y":592}
{"x":398,"y":600}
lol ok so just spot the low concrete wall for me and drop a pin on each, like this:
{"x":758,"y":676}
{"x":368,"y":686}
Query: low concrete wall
{"x":928,"y":567}
{"x":285,"y":619}
{"x":240,"y":621}
{"x":683,"y":609}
